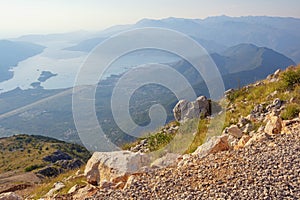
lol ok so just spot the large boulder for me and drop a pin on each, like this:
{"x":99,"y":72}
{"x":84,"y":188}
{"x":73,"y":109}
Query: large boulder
{"x":114,"y":166}
{"x":274,"y":125}
{"x":189,"y":110}
{"x":214,"y":145}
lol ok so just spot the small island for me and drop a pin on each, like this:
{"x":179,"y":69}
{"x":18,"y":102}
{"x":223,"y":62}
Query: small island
{"x":45,"y":75}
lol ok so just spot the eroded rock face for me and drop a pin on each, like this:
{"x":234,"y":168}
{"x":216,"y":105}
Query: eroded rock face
{"x":56,"y":156}
{"x":69,"y":164}
{"x":50,"y":171}
{"x":189,"y":110}
{"x":114,"y":167}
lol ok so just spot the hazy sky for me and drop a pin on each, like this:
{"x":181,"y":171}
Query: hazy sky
{"x":19,"y":17}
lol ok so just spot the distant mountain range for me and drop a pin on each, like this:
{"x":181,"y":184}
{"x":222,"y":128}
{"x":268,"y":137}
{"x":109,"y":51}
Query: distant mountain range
{"x":64,"y":53}
{"x":245,"y":49}
{"x":216,"y":33}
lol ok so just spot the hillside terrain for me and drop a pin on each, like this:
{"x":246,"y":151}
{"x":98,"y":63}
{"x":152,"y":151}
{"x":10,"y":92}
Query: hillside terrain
{"x":49,"y":112}
{"x":28,"y":160}
{"x":256,"y":156}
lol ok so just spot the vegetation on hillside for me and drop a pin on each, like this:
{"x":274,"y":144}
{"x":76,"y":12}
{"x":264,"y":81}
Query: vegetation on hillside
{"x":24,"y":153}
{"x":286,"y":88}
{"x":240,"y":103}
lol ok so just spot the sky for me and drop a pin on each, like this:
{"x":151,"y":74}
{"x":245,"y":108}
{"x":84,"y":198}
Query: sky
{"x":22,"y":17}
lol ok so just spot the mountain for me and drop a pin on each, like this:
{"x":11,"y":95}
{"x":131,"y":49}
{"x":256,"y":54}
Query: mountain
{"x":86,"y":45}
{"x":49,"y":112}
{"x":257,"y":151}
{"x":11,"y":53}
{"x":65,"y":52}
{"x":278,"y":33}
{"x":246,"y":63}
{"x":243,"y":63}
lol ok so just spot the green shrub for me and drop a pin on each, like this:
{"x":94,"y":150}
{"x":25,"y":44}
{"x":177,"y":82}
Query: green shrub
{"x":234,"y":95}
{"x":291,"y":78}
{"x":33,"y":167}
{"x":291,"y":111}
{"x":159,"y":140}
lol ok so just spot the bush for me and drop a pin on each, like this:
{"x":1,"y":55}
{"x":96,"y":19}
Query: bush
{"x":291,"y":78}
{"x":291,"y":111}
{"x":33,"y":167}
{"x":159,"y":140}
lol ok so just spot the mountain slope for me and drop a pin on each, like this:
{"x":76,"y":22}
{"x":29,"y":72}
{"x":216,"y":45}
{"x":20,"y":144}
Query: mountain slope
{"x":259,"y":161}
{"x":28,"y":160}
{"x":53,"y":117}
{"x":32,"y":149}
{"x":245,"y":63}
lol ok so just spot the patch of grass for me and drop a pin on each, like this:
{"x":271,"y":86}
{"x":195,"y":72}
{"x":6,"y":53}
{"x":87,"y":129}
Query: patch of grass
{"x":34,"y":167}
{"x":291,"y":111}
{"x":244,"y":99}
{"x":159,"y":140}
{"x":242,"y":102}
{"x":291,"y":77}
{"x":156,"y":140}
{"x":200,"y":135}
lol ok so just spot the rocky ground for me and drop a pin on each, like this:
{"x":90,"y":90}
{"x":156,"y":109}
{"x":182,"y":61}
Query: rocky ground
{"x":268,"y":169}
{"x":257,"y":156}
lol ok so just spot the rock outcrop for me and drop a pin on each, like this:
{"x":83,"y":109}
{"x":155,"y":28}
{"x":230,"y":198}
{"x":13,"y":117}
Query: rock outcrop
{"x":188,"y":110}
{"x":214,"y":145}
{"x":56,"y":156}
{"x":267,"y":169}
{"x":114,"y":167}
{"x":50,"y":171}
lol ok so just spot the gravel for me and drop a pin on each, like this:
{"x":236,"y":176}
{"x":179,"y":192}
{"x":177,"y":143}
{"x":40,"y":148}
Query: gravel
{"x":269,"y":169}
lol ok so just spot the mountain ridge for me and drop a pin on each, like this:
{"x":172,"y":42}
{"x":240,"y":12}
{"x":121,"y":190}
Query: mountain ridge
{"x":278,"y":33}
